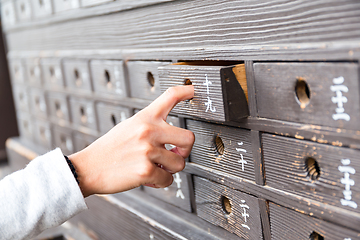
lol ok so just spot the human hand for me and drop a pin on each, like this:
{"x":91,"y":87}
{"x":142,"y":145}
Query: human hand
{"x":133,"y":152}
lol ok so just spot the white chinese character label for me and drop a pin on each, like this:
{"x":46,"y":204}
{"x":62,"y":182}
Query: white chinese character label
{"x":177,"y":180}
{"x":339,"y":88}
{"x":208,"y":104}
{"x":245,"y":214}
{"x":348,"y":182}
{"x":242,"y":161}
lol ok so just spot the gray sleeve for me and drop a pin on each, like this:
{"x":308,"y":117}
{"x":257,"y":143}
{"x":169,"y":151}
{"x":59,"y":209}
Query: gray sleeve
{"x":43,"y":195}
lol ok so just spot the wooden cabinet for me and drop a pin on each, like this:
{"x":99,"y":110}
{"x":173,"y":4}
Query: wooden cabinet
{"x":275,"y":112}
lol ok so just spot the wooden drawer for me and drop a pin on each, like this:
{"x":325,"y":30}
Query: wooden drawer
{"x":233,"y":210}
{"x":38,"y":103}
{"x":42,"y":133}
{"x":316,"y":171}
{"x":21,"y":97}
{"x":82,"y":140}
{"x":63,"y":5}
{"x":33,"y":72}
{"x":110,"y":115}
{"x":226,"y":149}
{"x":89,"y":3}
{"x":108,"y":77}
{"x":312,"y":93}
{"x":83,"y":113}
{"x":8,"y":15}
{"x":23,"y":10}
{"x":25,"y":124}
{"x":63,"y":139}
{"x":17,"y":70}
{"x":41,"y":8}
{"x":219,"y":94}
{"x":179,"y":193}
{"x":77,"y":75}
{"x":144,"y":79}
{"x":288,"y":224}
{"x":52,"y":73}
{"x":58,"y":107}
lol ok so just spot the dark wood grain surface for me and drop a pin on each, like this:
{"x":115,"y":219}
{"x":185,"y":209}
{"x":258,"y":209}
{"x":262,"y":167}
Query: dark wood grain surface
{"x":201,"y":24}
{"x":238,"y":214}
{"x":288,"y":224}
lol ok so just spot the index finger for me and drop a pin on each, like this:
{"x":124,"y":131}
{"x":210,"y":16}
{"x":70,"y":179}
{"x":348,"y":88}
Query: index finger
{"x":172,"y":96}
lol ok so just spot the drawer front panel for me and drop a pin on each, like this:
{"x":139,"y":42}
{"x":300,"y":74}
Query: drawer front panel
{"x":58,"y":106}
{"x":63,"y":139}
{"x":312,"y":93}
{"x":88,"y":3}
{"x":77,"y":75}
{"x":233,"y":210}
{"x":63,"y":5}
{"x":108,"y":77}
{"x":222,"y":148}
{"x":17,"y":70}
{"x":33,"y":71}
{"x":41,"y":8}
{"x":218,"y":90}
{"x":26,"y":126}
{"x":21,"y":97}
{"x":144,"y":79}
{"x":110,"y":115}
{"x":321,"y":172}
{"x":42,"y":133}
{"x":38,"y":103}
{"x":179,"y":193}
{"x":8,"y":15}
{"x":288,"y":224}
{"x":83,"y":113}
{"x":23,"y":10}
{"x":52,"y":73}
{"x":82,"y":140}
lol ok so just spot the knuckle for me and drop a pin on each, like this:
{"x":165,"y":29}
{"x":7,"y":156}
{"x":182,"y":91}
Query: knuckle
{"x":146,"y":131}
{"x":190,"y":136}
{"x":146,"y":170}
{"x":180,"y":165}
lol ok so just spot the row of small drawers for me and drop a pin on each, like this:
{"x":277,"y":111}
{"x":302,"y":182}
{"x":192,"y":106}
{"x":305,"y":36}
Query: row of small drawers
{"x":312,"y":170}
{"x":84,"y":113}
{"x":24,"y":10}
{"x":325,"y":94}
{"x":105,"y":77}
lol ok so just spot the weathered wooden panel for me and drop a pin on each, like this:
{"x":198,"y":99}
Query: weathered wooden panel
{"x":109,"y":115}
{"x":144,"y":79}
{"x":314,"y":93}
{"x":42,"y":133}
{"x":89,"y":3}
{"x":58,"y":107}
{"x":108,"y":77}
{"x":63,"y":139}
{"x":226,"y":149}
{"x":77,"y":75}
{"x":179,"y":193}
{"x":52,"y":73}
{"x":21,"y":97}
{"x":25,"y":125}
{"x":17,"y":71}
{"x":64,"y":5}
{"x":321,"y":172}
{"x":8,"y":15}
{"x":83,"y":113}
{"x":233,"y":210}
{"x":23,"y":10}
{"x":203,"y":23}
{"x":219,"y":93}
{"x":38,"y":104}
{"x":288,"y":224}
{"x":82,"y":140}
{"x":41,"y":8}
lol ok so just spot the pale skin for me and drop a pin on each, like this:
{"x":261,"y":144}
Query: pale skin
{"x":132,"y":153}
